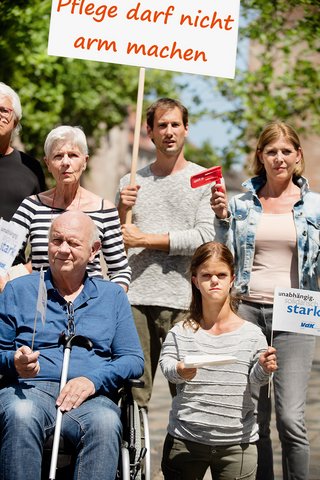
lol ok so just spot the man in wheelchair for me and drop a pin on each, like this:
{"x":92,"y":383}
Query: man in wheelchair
{"x":76,"y":304}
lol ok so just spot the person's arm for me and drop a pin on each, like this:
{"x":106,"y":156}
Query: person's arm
{"x":219,"y":202}
{"x":224,"y":227}
{"x":74,"y":393}
{"x":23,"y":217}
{"x":26,"y":362}
{"x":268,"y":360}
{"x":180,"y":241}
{"x":132,"y":235}
{"x":187,"y":373}
{"x":126,"y":199}
{"x":264,"y":363}
{"x":8,"y":331}
{"x":172,"y":367}
{"x":222,"y":215}
{"x":112,"y":247}
{"x":188,"y":235}
{"x":21,"y":362}
{"x":127,"y":356}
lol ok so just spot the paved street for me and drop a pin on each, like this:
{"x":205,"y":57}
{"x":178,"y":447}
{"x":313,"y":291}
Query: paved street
{"x":158,"y":417}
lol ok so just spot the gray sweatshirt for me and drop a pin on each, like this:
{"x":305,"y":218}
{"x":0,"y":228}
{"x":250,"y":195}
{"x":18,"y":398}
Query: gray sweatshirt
{"x":168,"y":205}
{"x":215,"y":407}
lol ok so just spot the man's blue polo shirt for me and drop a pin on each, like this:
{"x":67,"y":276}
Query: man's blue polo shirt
{"x":101,"y":312}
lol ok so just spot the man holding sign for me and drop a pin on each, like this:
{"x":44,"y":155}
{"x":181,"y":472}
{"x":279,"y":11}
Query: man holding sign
{"x":170,"y":220}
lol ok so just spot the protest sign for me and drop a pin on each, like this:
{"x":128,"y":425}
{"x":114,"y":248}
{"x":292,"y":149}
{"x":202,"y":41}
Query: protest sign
{"x":180,"y":35}
{"x":11,"y":238}
{"x":296,"y":311}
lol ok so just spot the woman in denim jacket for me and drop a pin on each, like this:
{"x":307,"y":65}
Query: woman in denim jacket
{"x":273,"y":231}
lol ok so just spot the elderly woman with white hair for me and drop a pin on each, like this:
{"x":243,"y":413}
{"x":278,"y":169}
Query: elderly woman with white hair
{"x":66,"y":156}
{"x":20,"y":174}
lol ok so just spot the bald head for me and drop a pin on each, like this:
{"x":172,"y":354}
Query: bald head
{"x":73,"y":241}
{"x":79,"y":220}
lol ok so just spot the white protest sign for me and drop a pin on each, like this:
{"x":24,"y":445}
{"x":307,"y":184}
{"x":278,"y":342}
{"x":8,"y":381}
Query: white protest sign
{"x":296,"y":311}
{"x":181,"y":35}
{"x":11,"y":238}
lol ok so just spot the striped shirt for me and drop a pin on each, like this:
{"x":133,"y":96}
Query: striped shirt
{"x":215,"y":407}
{"x":36,"y":217}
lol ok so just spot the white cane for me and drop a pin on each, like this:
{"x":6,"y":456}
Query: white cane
{"x":68,"y":342}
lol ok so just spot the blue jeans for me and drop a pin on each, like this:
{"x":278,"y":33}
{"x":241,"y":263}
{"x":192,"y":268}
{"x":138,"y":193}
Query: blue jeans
{"x":27,"y":417}
{"x":294,"y":355}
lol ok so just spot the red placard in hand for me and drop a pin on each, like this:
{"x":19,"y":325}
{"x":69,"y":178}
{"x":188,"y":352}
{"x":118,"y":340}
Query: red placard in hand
{"x":211,"y":175}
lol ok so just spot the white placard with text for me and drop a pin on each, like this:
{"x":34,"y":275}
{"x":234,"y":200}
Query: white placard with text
{"x":11,"y":238}
{"x":296,"y":310}
{"x":190,"y":36}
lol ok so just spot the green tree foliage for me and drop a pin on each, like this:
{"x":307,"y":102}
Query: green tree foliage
{"x":283,"y":78}
{"x":281,"y":83}
{"x":56,"y":90}
{"x":203,"y":155}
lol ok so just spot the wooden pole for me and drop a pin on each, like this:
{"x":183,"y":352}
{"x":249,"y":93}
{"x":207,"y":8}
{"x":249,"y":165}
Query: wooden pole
{"x":136,"y":138}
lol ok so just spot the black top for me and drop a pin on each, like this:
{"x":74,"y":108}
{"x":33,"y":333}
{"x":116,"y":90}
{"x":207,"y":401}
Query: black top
{"x":20,"y":177}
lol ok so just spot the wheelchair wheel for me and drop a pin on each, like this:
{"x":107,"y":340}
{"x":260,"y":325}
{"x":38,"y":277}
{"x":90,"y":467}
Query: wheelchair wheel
{"x":136,"y":464}
{"x":145,"y":437}
{"x":140,"y":462}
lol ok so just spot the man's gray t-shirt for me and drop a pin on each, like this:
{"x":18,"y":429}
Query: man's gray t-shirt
{"x":168,"y":205}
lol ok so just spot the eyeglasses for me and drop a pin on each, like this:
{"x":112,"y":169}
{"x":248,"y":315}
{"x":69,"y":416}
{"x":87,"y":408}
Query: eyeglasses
{"x":6,"y":112}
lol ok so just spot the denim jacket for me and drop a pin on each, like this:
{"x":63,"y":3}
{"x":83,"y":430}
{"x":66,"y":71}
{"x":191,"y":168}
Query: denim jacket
{"x":238,"y":232}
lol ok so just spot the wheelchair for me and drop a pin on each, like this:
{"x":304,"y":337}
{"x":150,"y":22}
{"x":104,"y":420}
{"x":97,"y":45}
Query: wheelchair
{"x":135,"y":449}
{"x":135,"y":454}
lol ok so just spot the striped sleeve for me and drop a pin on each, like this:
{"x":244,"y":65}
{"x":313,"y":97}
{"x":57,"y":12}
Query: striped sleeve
{"x":108,"y":223}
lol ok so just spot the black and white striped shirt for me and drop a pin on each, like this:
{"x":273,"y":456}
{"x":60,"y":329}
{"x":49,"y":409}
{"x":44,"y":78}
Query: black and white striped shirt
{"x":36,"y":217}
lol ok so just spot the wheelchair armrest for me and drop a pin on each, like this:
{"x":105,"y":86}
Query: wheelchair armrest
{"x":134,"y":382}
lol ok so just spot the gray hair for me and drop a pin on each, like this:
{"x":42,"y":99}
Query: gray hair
{"x":94,"y":237}
{"x":66,"y":133}
{"x":8,"y":92}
